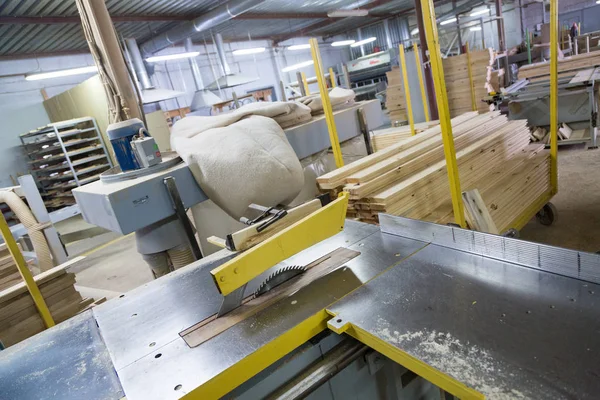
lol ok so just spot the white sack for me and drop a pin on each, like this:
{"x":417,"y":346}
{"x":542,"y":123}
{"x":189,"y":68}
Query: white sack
{"x":337,"y":96}
{"x":239,"y":163}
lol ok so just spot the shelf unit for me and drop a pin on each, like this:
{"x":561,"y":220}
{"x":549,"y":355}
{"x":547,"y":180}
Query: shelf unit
{"x":64,"y":155}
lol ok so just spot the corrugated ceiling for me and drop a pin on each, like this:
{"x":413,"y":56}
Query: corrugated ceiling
{"x":20,"y":38}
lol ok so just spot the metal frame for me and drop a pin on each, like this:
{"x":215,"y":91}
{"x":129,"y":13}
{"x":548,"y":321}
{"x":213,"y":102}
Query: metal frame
{"x":32,"y":287}
{"x":333,"y":136}
{"x":554,"y":96}
{"x":443,"y":109}
{"x":409,"y":112}
{"x":421,"y":82}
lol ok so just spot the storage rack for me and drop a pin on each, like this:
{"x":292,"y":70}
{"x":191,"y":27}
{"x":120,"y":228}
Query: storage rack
{"x":64,"y":155}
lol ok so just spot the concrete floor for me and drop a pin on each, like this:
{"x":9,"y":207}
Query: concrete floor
{"x":578,"y":203}
{"x":116,"y":267}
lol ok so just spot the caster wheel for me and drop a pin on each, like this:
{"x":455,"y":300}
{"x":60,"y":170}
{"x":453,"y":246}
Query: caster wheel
{"x":547,"y":215}
{"x":453,"y":225}
{"x":511,"y":233}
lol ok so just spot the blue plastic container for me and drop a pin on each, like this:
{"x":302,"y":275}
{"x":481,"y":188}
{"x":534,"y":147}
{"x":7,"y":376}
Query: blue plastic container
{"x":120,"y":135}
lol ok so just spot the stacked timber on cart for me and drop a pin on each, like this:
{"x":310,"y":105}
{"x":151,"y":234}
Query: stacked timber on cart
{"x":458,"y":84}
{"x":19,"y":317}
{"x":410,"y":179}
{"x":566,"y":66}
{"x":382,"y":138}
{"x":9,"y":274}
{"x":394,"y":100}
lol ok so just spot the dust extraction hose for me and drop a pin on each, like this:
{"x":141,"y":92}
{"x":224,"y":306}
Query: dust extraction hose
{"x":34,"y":229}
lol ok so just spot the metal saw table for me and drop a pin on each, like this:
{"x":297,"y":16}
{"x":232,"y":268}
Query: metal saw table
{"x":475,"y":314}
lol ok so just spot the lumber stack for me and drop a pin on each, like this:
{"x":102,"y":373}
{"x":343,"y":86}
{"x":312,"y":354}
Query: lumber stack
{"x":9,"y":274}
{"x":382,"y":138}
{"x":394,"y":100}
{"x":456,"y":74}
{"x":566,"y":66}
{"x":410,"y":178}
{"x":19,"y":318}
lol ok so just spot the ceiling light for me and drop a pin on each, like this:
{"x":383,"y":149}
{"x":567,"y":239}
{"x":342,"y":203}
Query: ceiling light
{"x":364,"y":41}
{"x":480,"y":12}
{"x":347,"y":13}
{"x":299,"y":65}
{"x":304,"y":46}
{"x":448,"y":21}
{"x":414,"y":32}
{"x":173,"y":56}
{"x":343,"y":43}
{"x":475,"y":28}
{"x":254,"y":50}
{"x":64,"y":72}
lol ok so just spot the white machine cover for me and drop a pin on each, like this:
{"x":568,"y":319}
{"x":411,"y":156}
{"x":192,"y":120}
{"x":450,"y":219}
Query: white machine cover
{"x":242,"y":157}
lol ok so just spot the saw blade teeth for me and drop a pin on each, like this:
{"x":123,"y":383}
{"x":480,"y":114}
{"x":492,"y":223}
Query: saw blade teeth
{"x":275,"y":278}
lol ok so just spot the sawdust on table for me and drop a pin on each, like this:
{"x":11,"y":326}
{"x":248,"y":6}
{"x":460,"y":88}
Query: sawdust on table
{"x":466,"y":363}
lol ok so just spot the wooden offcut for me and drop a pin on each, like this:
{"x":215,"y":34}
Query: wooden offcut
{"x":476,"y":212}
{"x":19,"y":317}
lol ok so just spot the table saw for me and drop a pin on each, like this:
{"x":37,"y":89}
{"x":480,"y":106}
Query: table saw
{"x":406,"y":309}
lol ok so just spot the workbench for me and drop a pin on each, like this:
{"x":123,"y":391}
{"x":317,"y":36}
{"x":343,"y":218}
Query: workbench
{"x":469,"y":312}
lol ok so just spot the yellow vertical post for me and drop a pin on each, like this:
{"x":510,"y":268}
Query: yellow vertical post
{"x":409,"y":113}
{"x":421,"y":84}
{"x":333,"y":136}
{"x":554,"y":95}
{"x":34,"y":291}
{"x":332,"y":77}
{"x":471,"y":85}
{"x":305,"y":83}
{"x":444,"y":111}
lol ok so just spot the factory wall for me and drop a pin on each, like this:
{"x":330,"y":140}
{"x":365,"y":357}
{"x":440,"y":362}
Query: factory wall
{"x":585,"y":11}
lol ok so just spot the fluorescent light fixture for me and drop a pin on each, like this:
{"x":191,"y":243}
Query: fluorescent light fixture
{"x":343,"y":43}
{"x":347,"y":13}
{"x":480,"y":12}
{"x":371,"y":55}
{"x":304,"y":46}
{"x":173,"y":56}
{"x":414,"y":32}
{"x":64,"y":72}
{"x":299,"y":65}
{"x":475,"y":28}
{"x":254,"y":50}
{"x":448,"y":21}
{"x":364,"y":41}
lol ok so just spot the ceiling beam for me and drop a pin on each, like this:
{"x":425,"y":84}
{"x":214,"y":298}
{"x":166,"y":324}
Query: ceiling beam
{"x":324,"y":23}
{"x":22,"y":56}
{"x":263,"y":16}
{"x":51,"y":20}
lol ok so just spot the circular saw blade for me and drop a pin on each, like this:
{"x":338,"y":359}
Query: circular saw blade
{"x":278,"y":277}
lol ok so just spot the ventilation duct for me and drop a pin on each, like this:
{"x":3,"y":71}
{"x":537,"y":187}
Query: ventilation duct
{"x":150,"y":94}
{"x":204,"y":22}
{"x":228,"y":79}
{"x":203,"y":97}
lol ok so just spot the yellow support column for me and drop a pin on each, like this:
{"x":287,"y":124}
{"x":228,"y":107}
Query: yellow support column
{"x":442,"y":103}
{"x":333,"y":136}
{"x":34,"y":291}
{"x":473,"y":101}
{"x":305,"y":83}
{"x":409,"y":113}
{"x":332,"y":77}
{"x":554,"y":95}
{"x":421,"y":84}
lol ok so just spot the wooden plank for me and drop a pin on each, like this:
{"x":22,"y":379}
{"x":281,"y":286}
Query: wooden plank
{"x":477,"y":213}
{"x":212,"y":326}
{"x":248,"y":237}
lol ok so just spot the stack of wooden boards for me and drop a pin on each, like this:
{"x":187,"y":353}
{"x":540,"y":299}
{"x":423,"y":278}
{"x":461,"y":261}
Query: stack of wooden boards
{"x":394,"y":100}
{"x":566,"y":66}
{"x":410,"y":178}
{"x":19,"y":318}
{"x":9,"y":274}
{"x":382,"y":138}
{"x":458,"y":85}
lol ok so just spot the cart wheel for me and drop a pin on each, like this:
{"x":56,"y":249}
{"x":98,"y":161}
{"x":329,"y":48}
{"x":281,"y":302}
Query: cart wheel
{"x":511,"y":233}
{"x":547,"y":215}
{"x":453,"y":225}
